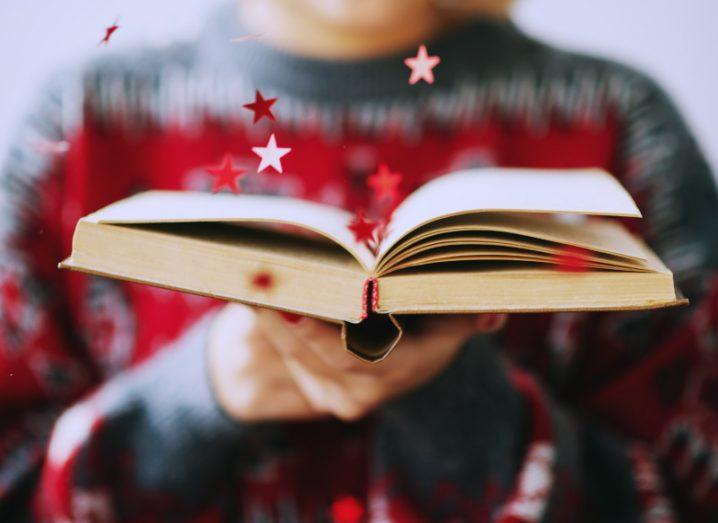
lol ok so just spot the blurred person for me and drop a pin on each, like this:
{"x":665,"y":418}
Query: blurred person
{"x":121,"y":402}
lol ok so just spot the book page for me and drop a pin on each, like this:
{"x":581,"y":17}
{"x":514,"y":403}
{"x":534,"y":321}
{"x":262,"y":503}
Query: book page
{"x":186,"y":207}
{"x":596,"y":234}
{"x":509,"y":259}
{"x":578,"y":191}
{"x":464,"y":248}
{"x":521,"y":288}
{"x":310,"y":277}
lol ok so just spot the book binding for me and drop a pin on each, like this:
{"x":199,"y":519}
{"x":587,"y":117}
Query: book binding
{"x":376,"y":335}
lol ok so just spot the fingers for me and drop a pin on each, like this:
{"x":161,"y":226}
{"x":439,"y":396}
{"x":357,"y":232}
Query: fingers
{"x":236,"y":320}
{"x":336,"y":382}
{"x":308,"y":347}
{"x":286,"y":405}
{"x":284,"y":336}
{"x":259,"y":397}
{"x":310,"y":372}
{"x":326,"y":343}
{"x":249,"y":378}
{"x":490,"y":322}
{"x":306,"y":370}
{"x":324,"y":340}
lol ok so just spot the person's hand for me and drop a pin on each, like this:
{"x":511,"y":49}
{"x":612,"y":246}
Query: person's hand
{"x":250,"y":379}
{"x":336,"y":382}
{"x":268,"y":365}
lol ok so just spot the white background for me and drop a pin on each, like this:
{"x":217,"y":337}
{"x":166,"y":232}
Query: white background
{"x":674,"y":41}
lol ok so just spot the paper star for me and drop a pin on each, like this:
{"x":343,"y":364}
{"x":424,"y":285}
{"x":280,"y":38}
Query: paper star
{"x":271,"y":155}
{"x":362,"y":228}
{"x":421,"y":66}
{"x":263,"y":281}
{"x":385,"y":183}
{"x":108,"y":33}
{"x":261,"y":107}
{"x":571,"y":259}
{"x":225,"y":175}
{"x":347,"y":509}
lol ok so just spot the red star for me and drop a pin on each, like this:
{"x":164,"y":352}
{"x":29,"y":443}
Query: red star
{"x":571,"y":259}
{"x":261,"y":107}
{"x":422,"y":66}
{"x":385,"y":183}
{"x":263,"y":281}
{"x":362,"y":228}
{"x":225,"y":175}
{"x":347,"y":509}
{"x":108,"y":33}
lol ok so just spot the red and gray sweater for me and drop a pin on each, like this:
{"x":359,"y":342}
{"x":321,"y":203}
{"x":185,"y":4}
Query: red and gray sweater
{"x":106,"y":412}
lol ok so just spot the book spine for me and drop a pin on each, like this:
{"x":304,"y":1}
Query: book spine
{"x":370,"y":296}
{"x":374,"y":294}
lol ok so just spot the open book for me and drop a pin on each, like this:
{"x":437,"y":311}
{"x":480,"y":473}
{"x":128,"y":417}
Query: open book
{"x":483,"y":240}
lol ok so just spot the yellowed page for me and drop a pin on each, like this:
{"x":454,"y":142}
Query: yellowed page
{"x":507,"y":288}
{"x":581,"y":191}
{"x":509,"y":259}
{"x":517,"y":290}
{"x":464,"y":249}
{"x":184,"y":206}
{"x":600,"y":235}
{"x":475,"y":243}
{"x":307,"y":277}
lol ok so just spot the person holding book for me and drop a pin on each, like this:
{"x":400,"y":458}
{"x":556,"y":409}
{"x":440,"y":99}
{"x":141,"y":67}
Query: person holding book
{"x":124,"y":402}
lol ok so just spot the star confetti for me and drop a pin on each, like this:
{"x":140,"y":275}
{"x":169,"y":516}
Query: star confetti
{"x":571,"y":259}
{"x":271,"y":155}
{"x":108,"y":33}
{"x":225,"y":175}
{"x":347,"y":509}
{"x":385,"y":183}
{"x":262,"y":281}
{"x":362,"y":228}
{"x":261,"y":107}
{"x":422,"y":66}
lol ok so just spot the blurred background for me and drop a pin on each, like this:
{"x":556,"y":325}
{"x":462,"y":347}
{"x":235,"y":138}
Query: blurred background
{"x":673,"y":41}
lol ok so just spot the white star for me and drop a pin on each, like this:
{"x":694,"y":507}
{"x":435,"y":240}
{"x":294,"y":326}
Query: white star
{"x":421,"y":66}
{"x":271,"y":155}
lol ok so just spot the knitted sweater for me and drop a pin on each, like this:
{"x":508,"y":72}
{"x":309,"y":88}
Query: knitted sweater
{"x":106,"y":410}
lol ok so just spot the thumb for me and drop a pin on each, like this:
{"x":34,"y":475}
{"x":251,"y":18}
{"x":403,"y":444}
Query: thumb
{"x":489,"y":322}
